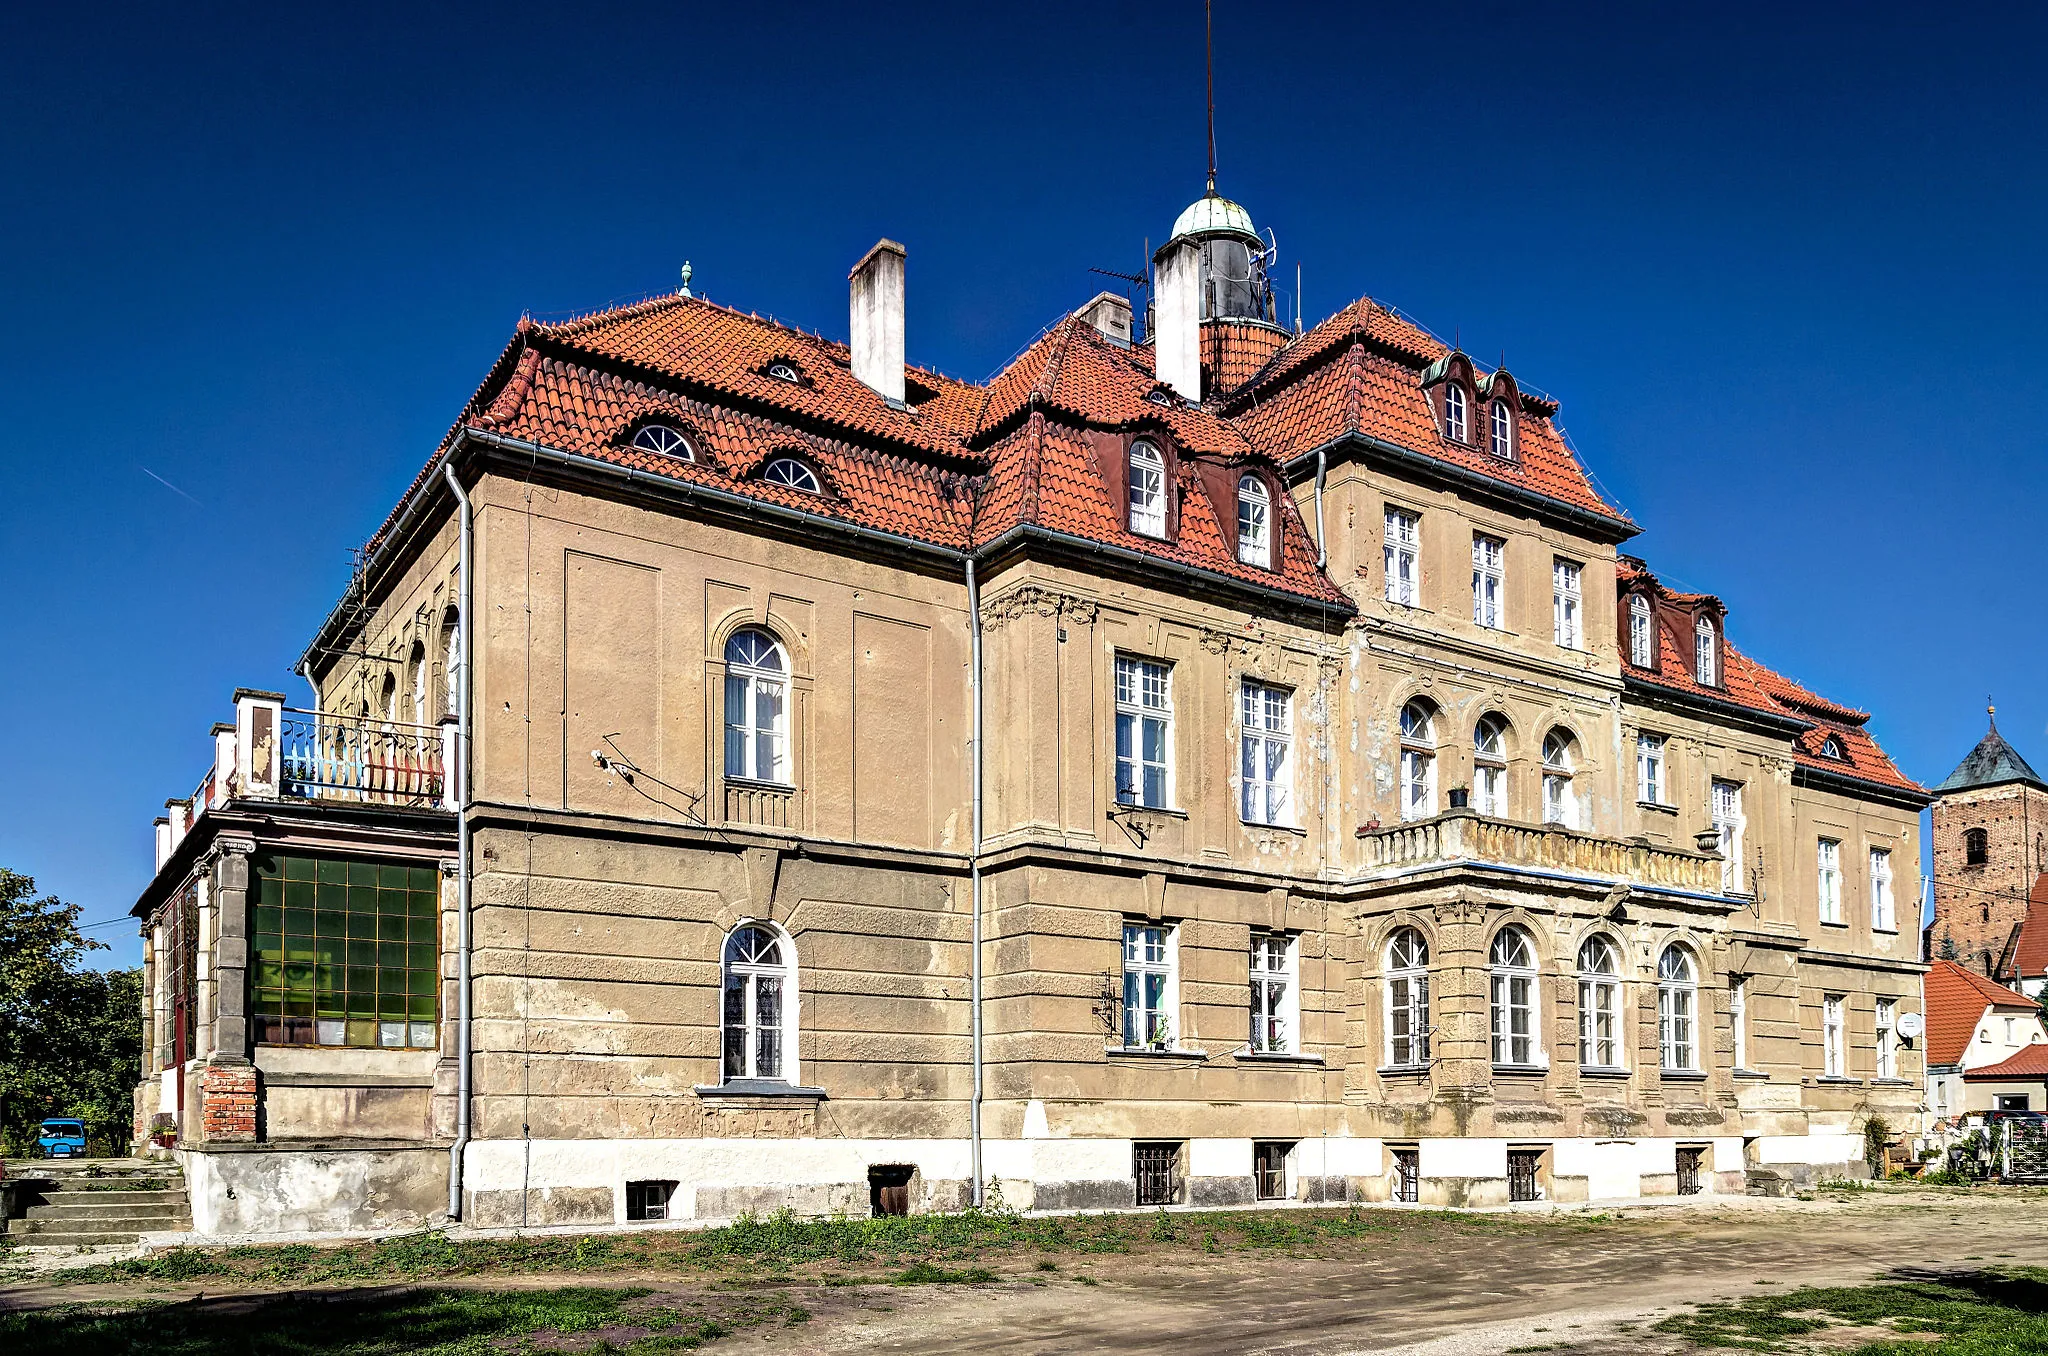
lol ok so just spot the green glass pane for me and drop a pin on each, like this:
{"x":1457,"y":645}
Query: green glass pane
{"x":300,"y":894}
{"x":362,"y":873}
{"x":391,"y":955}
{"x":421,"y":930}
{"x":421,"y":956}
{"x":299,"y":922}
{"x":362,"y":979}
{"x":298,"y":1007}
{"x":391,"y":928}
{"x":391,"y":1005}
{"x":270,"y":921}
{"x":263,"y":1000}
{"x":424,"y":878}
{"x":422,"y":903}
{"x":331,"y":896}
{"x":330,"y":923}
{"x":362,"y":1032}
{"x":266,"y":974}
{"x":423,"y":1009}
{"x":297,"y":868}
{"x":391,"y":875}
{"x":332,"y":872}
{"x":361,"y":953}
{"x":299,"y":977}
{"x":420,"y":983}
{"x":329,"y":951}
{"x":330,"y":1007}
{"x":302,"y":949}
{"x":265,"y":864}
{"x":328,"y":979}
{"x":361,"y":1004}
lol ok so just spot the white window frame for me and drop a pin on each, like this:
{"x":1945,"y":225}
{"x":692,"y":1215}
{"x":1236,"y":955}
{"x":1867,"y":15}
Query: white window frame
{"x":1402,"y":553}
{"x":748,"y":683}
{"x":793,"y":472}
{"x":1725,"y":800}
{"x":1560,"y":801}
{"x":1254,"y":521}
{"x":1827,"y":858}
{"x":1457,"y":412}
{"x":751,"y":974}
{"x":1642,"y":635}
{"x":1738,"y":1017}
{"x":1489,"y":580}
{"x":1883,"y":913}
{"x":1704,"y":666}
{"x":1650,"y":769}
{"x":1567,"y":603}
{"x":1490,"y":766}
{"x":1418,"y":761}
{"x":1887,"y":1038}
{"x":1600,"y":1007}
{"x":1145,"y":467}
{"x":1678,"y":1006}
{"x":1501,"y":430}
{"x":1144,"y":702}
{"x":1275,"y":994}
{"x":451,"y":663}
{"x":1151,"y":950}
{"x":1514,"y":1000}
{"x":1265,"y":760}
{"x":1833,"y":1063}
{"x":1407,"y":998}
{"x":662,"y":439}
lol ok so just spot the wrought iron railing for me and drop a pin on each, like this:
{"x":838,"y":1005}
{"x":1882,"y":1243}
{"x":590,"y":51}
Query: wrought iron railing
{"x":384,"y":762}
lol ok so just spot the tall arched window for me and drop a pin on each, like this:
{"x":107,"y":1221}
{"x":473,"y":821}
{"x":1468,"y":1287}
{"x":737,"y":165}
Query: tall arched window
{"x":388,"y":704}
{"x":1503,"y":431}
{"x":1641,"y":639}
{"x":1490,"y":767}
{"x":416,"y":674}
{"x":1407,"y":1000}
{"x":1512,"y":974}
{"x":1600,"y":1004}
{"x":1456,"y":423}
{"x":1976,"y":847}
{"x":759,"y":1005}
{"x":1148,"y":489}
{"x":451,"y":663}
{"x":1677,"y":1008}
{"x":756,"y":708}
{"x":1560,"y":803}
{"x":1254,"y":522}
{"x":1418,"y":761}
{"x":1703,"y":652}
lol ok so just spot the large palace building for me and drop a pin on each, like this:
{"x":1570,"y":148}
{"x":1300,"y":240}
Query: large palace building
{"x":1213,"y":765}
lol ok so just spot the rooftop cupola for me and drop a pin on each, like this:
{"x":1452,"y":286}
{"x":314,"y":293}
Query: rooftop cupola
{"x":1211,"y":271}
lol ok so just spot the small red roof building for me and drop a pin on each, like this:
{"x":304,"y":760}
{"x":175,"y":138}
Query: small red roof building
{"x":1957,"y":999}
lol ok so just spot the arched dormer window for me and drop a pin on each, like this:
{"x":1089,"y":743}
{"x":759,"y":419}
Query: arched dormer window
{"x":1418,"y":760}
{"x":783,"y":370}
{"x":1600,"y":1003}
{"x":1705,"y":652}
{"x":1501,"y":430}
{"x":1976,"y":847}
{"x":759,"y":1005}
{"x":794,"y":473}
{"x":1457,"y":414}
{"x":1677,"y":1006}
{"x":1146,"y":466}
{"x":1560,"y":804}
{"x":1831,"y":747}
{"x":1642,"y":635}
{"x":756,"y":708}
{"x":1407,"y":1000}
{"x":1511,"y":966}
{"x":1254,"y":522}
{"x":664,"y":440}
{"x":1490,"y":767}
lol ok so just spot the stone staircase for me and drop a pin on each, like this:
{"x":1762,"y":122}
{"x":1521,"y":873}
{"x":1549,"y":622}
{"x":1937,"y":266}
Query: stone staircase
{"x":92,"y":1202}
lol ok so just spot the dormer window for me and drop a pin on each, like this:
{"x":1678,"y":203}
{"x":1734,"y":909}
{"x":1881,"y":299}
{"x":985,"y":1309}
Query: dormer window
{"x":1831,"y":747}
{"x":1159,"y":396}
{"x":786,"y":372}
{"x":1641,"y":635}
{"x":1254,"y":522}
{"x":1147,"y":468}
{"x":1457,"y":424}
{"x":793,"y":473}
{"x":1502,"y":431}
{"x":665,"y":440}
{"x":1703,"y":653}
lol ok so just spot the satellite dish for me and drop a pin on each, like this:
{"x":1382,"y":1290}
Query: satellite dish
{"x":1911,"y":1024}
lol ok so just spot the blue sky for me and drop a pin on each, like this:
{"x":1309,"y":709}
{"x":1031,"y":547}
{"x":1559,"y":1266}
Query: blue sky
{"x":1780,"y":265}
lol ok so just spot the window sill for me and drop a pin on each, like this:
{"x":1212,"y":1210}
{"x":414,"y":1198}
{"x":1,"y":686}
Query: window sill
{"x":1838,"y":1081}
{"x":1682,"y":1075}
{"x":1146,"y":1052}
{"x":1827,"y":924}
{"x":1891,"y":1083}
{"x":1755,"y":1075}
{"x":1277,"y":1057}
{"x":755,"y":784}
{"x":1659,"y":806}
{"x":1295,"y":829}
{"x":759,"y":1087}
{"x":1521,"y":1070}
{"x":1888,"y":932}
{"x":1404,"y":1071}
{"x":1126,"y":808}
{"x":1603,"y":1072}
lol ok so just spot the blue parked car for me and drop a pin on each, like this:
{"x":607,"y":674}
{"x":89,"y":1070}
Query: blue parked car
{"x":62,"y":1137}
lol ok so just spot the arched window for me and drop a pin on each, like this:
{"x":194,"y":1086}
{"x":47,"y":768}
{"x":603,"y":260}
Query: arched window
{"x":1512,"y":973}
{"x":1456,"y":425}
{"x":1148,"y":489}
{"x":1407,"y":1000}
{"x":1703,"y":651}
{"x":1254,"y":522}
{"x":665,"y":440}
{"x":1502,"y":431}
{"x":1600,"y":1004}
{"x":451,"y":662}
{"x":793,"y":473}
{"x":389,"y":703}
{"x":756,"y":708}
{"x":1418,"y":761}
{"x":760,"y":1005}
{"x":1641,"y":639}
{"x":1490,"y":767}
{"x":785,"y":372}
{"x":1976,"y":847}
{"x":1831,"y":747}
{"x":1560,"y":804}
{"x":416,"y":680}
{"x":1677,"y":1006}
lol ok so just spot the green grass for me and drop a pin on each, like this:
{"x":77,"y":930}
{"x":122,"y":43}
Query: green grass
{"x":1975,"y":1313}
{"x":432,"y":1322}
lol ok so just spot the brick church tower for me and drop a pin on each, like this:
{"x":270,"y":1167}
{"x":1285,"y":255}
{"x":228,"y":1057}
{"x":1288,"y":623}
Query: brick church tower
{"x":1990,"y":833}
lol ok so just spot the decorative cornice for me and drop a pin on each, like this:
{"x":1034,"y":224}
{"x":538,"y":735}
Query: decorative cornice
{"x":1031,"y":600}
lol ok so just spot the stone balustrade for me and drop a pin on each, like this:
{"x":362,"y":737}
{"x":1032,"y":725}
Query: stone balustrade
{"x":1465,"y":836}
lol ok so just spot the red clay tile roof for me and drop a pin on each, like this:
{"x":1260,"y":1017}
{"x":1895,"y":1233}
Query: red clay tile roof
{"x":1956,"y":999}
{"x":2030,"y":944}
{"x":2024,"y":1066}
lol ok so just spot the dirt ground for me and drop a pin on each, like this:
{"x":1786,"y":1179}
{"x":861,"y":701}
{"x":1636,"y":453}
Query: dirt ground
{"x":1441,"y":1292}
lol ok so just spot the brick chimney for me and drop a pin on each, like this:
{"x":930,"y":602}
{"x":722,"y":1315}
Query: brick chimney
{"x":877,"y":308}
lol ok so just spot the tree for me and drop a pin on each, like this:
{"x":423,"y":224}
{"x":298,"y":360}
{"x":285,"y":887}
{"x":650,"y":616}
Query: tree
{"x":70,"y":1036}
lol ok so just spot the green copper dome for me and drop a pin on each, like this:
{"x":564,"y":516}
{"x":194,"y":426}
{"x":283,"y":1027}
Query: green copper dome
{"x":1213,"y":214}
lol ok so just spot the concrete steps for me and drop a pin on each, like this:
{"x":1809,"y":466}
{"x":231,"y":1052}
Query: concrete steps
{"x":95,"y":1202}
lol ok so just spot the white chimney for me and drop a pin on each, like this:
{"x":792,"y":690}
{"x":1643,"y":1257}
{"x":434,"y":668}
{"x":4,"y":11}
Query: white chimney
{"x":1177,"y":318}
{"x":877,"y":306}
{"x":1111,"y":315}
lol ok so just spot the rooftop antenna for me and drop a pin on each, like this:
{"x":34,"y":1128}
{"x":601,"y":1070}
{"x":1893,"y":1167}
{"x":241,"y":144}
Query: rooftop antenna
{"x":1209,"y":41}
{"x":1297,"y":296}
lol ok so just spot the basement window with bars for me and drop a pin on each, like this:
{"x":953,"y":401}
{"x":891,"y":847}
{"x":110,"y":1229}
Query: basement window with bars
{"x":345,"y":952}
{"x":648,"y":1200}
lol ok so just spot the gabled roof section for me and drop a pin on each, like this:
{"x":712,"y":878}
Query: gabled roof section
{"x":2023,"y":1066}
{"x":1957,"y":998}
{"x":2027,"y":955}
{"x":1992,"y":763}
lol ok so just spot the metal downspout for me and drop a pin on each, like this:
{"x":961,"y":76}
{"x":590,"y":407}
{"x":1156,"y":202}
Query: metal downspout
{"x":462,"y":694}
{"x":1322,"y":551}
{"x":974,"y":878}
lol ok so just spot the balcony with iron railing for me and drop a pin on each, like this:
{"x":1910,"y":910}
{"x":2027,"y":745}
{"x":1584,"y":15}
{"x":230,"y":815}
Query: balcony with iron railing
{"x":1466,"y":837}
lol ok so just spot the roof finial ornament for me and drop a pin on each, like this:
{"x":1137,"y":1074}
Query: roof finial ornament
{"x":1991,"y":711}
{"x":1209,"y":43}
{"x":686,"y":277}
